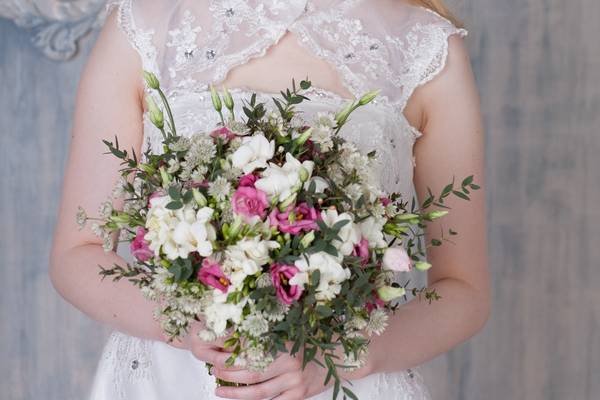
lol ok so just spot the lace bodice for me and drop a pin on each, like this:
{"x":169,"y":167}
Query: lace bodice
{"x":374,"y":44}
{"x":385,"y":44}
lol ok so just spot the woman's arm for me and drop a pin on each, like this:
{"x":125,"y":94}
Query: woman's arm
{"x":108,"y":103}
{"x":452,"y":144}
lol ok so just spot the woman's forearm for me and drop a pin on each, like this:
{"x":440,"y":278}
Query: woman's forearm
{"x":75,"y":275}
{"x":419,"y":331}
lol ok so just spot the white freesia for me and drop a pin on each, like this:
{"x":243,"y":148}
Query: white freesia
{"x":253,"y":153}
{"x":282,"y":182}
{"x":217,"y":315}
{"x":245,"y":258}
{"x":332,"y":274}
{"x":349,"y":234}
{"x":372,"y":230}
{"x":178,"y":232}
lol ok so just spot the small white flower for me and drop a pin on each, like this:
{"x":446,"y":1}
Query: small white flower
{"x":255,"y":325}
{"x":97,"y":230}
{"x":377,"y":322}
{"x":325,"y":119}
{"x":254,"y":153}
{"x":173,"y":166}
{"x":120,"y":188}
{"x":80,"y":217}
{"x":107,"y":243}
{"x":323,"y":136}
{"x":220,"y":188}
{"x":181,"y":143}
{"x":106,"y":209}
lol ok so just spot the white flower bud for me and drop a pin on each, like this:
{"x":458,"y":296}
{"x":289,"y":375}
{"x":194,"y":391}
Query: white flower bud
{"x":368,"y":97}
{"x":388,"y":293}
{"x":227,"y":99}
{"x":216,"y":99}
{"x":155,"y":114}
{"x":422,"y":265}
{"x":151,"y":80}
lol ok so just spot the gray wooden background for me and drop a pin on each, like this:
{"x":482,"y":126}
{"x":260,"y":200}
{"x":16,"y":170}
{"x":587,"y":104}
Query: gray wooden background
{"x":537,"y":64}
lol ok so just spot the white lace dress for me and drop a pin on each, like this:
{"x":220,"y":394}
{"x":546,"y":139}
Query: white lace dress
{"x":374,"y":44}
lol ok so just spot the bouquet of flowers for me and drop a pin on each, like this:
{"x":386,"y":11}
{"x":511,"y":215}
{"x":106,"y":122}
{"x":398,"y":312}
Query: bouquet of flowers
{"x":269,"y":231}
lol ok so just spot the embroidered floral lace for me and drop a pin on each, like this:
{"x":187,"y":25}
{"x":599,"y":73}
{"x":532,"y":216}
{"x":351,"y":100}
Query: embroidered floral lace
{"x":374,"y":44}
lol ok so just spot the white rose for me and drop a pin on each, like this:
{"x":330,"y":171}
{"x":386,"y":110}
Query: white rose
{"x":349,"y":233}
{"x":253,"y":153}
{"x":285,"y":180}
{"x":372,"y":230}
{"x":332,"y":274}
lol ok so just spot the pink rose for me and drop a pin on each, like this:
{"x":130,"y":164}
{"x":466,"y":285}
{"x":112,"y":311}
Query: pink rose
{"x":223,"y":133}
{"x":396,"y":259}
{"x":249,"y":202}
{"x":281,"y":275}
{"x":139,"y":247}
{"x":304,"y":219}
{"x":362,"y":250}
{"x":248,"y":180}
{"x":210,"y":274}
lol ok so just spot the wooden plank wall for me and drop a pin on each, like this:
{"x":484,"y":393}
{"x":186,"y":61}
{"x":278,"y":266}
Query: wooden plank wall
{"x":537,"y":64}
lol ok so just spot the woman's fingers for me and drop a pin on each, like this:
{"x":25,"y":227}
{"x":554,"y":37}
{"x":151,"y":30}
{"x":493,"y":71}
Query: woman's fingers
{"x":265,"y":390}
{"x":281,"y":365}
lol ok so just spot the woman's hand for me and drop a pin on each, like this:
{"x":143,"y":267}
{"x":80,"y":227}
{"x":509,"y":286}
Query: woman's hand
{"x":209,"y":352}
{"x":284,"y":379}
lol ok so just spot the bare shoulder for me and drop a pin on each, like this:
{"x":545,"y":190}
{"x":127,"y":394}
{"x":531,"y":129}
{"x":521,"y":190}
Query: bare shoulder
{"x":113,"y":61}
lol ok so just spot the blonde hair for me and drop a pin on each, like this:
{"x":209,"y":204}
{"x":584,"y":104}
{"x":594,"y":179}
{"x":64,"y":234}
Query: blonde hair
{"x":439,"y":7}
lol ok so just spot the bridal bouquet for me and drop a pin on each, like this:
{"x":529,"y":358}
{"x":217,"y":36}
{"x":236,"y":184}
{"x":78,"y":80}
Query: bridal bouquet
{"x":268,"y":230}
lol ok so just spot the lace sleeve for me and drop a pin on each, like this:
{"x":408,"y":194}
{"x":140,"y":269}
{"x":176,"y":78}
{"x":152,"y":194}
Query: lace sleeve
{"x":424,"y":49}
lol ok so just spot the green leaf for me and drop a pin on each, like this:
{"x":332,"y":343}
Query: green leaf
{"x":315,"y":277}
{"x":174,"y":193}
{"x":460,"y":194}
{"x":305,"y":84}
{"x":174,"y":205}
{"x":324,"y":311}
{"x":338,"y":225}
{"x":187,"y":197}
{"x":447,"y":190}
{"x":349,"y":393}
{"x":467,"y":181}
